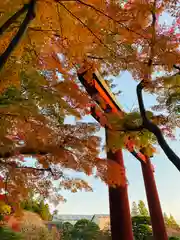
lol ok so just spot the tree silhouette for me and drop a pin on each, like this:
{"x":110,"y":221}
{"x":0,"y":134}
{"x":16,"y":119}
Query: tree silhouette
{"x":142,"y":209}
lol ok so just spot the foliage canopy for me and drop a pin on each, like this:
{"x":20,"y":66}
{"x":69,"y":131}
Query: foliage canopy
{"x":38,"y":84}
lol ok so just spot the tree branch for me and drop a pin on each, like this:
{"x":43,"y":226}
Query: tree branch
{"x":176,"y":67}
{"x":136,"y":155}
{"x":88,"y":28}
{"x":128,"y":129}
{"x":95,"y":57}
{"x":15,"y":165}
{"x":14,"y":42}
{"x":153,"y":40}
{"x":36,"y":169}
{"x":23,"y":151}
{"x":28,"y":152}
{"x":12,"y":19}
{"x":150,"y":126}
{"x":108,"y":16}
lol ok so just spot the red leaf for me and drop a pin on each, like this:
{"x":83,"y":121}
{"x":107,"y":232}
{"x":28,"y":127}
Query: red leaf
{"x":2,"y":197}
{"x":15,"y":226}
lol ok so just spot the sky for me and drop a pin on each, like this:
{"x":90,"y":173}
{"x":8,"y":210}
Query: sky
{"x":166,"y":175}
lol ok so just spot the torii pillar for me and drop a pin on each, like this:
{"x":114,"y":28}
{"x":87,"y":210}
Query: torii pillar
{"x":157,"y":220}
{"x":120,"y":217}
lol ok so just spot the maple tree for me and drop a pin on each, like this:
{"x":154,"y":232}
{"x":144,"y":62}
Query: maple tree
{"x":170,"y":222}
{"x":32,"y":127}
{"x":39,"y":55}
{"x":42,"y":43}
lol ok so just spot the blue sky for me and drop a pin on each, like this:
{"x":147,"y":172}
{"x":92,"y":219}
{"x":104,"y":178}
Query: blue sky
{"x":166,"y":175}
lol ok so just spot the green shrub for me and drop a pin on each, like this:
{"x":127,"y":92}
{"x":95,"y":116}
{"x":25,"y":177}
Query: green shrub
{"x":8,"y":234}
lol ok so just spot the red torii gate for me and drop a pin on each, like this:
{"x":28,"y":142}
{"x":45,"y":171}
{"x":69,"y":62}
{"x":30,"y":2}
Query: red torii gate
{"x":120,"y":217}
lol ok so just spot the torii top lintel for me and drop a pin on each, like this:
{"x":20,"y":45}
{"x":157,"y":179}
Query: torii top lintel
{"x":97,"y":88}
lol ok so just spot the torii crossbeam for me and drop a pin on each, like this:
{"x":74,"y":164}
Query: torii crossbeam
{"x":121,"y":227}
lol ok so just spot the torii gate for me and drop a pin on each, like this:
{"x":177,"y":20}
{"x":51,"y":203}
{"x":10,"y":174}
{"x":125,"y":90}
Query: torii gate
{"x":120,"y":217}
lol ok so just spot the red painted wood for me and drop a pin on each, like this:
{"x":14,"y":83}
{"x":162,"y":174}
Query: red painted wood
{"x":120,"y":217}
{"x":157,"y":220}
